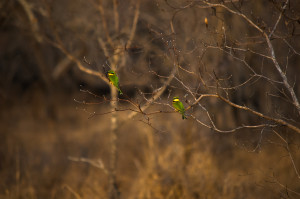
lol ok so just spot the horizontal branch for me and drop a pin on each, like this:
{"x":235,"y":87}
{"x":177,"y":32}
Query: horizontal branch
{"x":261,"y":115}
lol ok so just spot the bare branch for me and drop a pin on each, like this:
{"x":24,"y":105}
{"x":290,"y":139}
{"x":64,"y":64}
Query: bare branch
{"x":104,"y":23}
{"x":63,"y":65}
{"x":289,"y":152}
{"x":134,"y":23}
{"x":32,"y":20}
{"x":159,"y":93}
{"x":96,"y":163}
{"x":102,"y":44}
{"x":213,"y":127}
{"x":285,"y":187}
{"x":277,"y":22}
{"x":79,"y":64}
{"x":261,"y":115}
{"x":271,"y":48}
{"x":283,"y":76}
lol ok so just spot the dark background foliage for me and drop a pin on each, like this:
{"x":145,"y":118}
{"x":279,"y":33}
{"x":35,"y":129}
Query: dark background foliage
{"x":44,"y":130}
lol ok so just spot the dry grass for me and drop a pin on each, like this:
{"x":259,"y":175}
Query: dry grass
{"x":182,"y":161}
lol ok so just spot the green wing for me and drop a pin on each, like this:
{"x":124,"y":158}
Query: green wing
{"x":115,"y":81}
{"x":180,"y":108}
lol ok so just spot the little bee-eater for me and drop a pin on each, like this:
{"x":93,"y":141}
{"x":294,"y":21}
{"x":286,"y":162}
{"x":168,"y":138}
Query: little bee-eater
{"x":114,"y":80}
{"x":179,"y":107}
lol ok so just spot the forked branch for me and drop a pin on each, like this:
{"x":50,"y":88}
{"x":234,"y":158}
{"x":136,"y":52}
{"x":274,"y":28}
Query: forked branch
{"x":270,"y":46}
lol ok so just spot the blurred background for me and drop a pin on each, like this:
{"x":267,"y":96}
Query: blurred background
{"x":55,"y":137}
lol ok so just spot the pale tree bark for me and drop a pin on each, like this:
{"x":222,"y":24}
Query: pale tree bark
{"x":113,"y":188}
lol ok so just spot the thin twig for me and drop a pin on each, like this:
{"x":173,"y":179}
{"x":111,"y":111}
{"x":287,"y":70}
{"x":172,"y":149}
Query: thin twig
{"x":277,"y":22}
{"x":159,"y":93}
{"x":261,"y":115}
{"x":271,"y":48}
{"x":289,"y":152}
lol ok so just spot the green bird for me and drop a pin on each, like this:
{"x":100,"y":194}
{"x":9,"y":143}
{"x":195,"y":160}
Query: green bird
{"x":114,"y":80}
{"x":179,"y":107}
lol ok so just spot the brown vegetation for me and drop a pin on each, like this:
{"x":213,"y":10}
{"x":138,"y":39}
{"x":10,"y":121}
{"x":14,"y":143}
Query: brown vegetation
{"x":66,"y":133}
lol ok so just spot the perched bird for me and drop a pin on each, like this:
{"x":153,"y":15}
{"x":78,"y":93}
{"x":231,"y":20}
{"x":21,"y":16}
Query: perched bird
{"x":179,"y":107}
{"x":114,"y":80}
